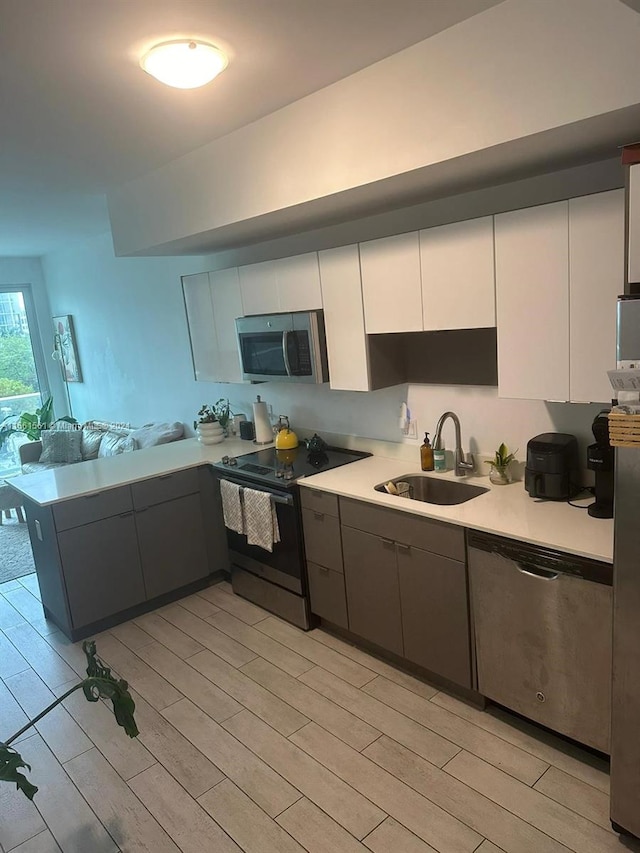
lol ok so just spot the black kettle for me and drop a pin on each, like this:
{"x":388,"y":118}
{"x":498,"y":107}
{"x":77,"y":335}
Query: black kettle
{"x":316,"y":444}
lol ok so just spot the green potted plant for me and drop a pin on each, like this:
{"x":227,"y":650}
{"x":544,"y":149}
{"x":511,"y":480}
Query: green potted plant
{"x":499,"y":473}
{"x":223,"y":413}
{"x":208,"y":427}
{"x":31,"y":424}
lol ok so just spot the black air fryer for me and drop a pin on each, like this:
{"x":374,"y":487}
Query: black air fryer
{"x":552,"y":466}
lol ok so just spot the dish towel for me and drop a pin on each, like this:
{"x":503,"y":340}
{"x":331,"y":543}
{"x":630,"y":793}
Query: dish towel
{"x":232,"y":506}
{"x":261,"y":521}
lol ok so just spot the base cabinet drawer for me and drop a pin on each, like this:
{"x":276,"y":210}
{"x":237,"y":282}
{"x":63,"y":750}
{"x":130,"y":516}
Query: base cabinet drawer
{"x":322,"y":539}
{"x":327,"y":594}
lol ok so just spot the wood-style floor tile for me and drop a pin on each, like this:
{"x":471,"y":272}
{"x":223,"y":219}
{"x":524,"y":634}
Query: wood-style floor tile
{"x":265,"y":787}
{"x":260,"y":643}
{"x":11,"y":661}
{"x":30,"y":582}
{"x":39,"y":654}
{"x":344,"y":804}
{"x":421,"y":740}
{"x":19,"y":818}
{"x":68,"y":817}
{"x":9,"y":616}
{"x":488,"y":847}
{"x":480,"y":813}
{"x":61,"y":733}
{"x":316,"y":652}
{"x":245,"y":822}
{"x":198,"y":606}
{"x":248,"y":693}
{"x":422,"y":817}
{"x":130,"y":634}
{"x":392,"y":837}
{"x":184,"y":821}
{"x":25,"y":603}
{"x":570,"y":829}
{"x":151,"y":686}
{"x":544,"y":745}
{"x":42,"y":843}
{"x":576,"y":795}
{"x":7,"y":586}
{"x":327,"y":714}
{"x":12,"y":717}
{"x":208,"y":636}
{"x":233,"y":604}
{"x":316,"y":831}
{"x":70,"y":652}
{"x":513,"y":760}
{"x":164,"y":632}
{"x":213,"y":701}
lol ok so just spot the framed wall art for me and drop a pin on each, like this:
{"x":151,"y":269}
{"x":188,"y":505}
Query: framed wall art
{"x":65,"y":344}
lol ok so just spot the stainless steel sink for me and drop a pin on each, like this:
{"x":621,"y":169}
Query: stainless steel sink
{"x":431,"y":490}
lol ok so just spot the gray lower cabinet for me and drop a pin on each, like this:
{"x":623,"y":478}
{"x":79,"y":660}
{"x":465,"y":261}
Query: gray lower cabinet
{"x":327,"y":595}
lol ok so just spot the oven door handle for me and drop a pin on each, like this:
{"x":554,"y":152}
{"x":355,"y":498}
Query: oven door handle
{"x":285,"y":352}
{"x":286,"y":500}
{"x":280,"y":499}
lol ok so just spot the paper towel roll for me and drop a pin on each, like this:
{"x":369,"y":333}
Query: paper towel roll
{"x":264,"y":432}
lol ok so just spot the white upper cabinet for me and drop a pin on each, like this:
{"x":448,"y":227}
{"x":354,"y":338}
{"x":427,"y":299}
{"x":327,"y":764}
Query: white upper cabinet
{"x":532,"y":289}
{"x":391,"y":284}
{"x":202,"y":332}
{"x":287,"y":284}
{"x":458,"y":275}
{"x":596,"y":264}
{"x":227,"y":306}
{"x":344,"y":319}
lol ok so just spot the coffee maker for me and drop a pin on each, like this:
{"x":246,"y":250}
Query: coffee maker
{"x":600,"y":459}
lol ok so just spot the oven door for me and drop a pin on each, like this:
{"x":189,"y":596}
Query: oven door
{"x":283,"y":566}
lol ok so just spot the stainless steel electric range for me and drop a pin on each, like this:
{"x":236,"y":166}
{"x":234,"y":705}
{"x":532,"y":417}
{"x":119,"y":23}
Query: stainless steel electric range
{"x":277,"y":580}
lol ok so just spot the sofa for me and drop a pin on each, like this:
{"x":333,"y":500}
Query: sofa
{"x":67,"y":444}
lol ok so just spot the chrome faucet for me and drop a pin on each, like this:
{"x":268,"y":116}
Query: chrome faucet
{"x":462,"y":467}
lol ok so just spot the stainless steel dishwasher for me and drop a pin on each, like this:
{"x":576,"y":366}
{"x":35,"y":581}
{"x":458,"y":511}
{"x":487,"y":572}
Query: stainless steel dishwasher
{"x":542,"y":622}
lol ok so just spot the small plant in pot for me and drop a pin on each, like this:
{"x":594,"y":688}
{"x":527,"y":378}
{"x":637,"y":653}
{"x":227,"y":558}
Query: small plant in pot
{"x":499,"y":473}
{"x":208,"y":426}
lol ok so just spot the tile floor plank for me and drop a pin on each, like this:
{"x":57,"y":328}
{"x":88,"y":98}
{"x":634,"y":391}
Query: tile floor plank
{"x":391,"y":837}
{"x":39,"y":654}
{"x":146,"y":681}
{"x":12,"y":717}
{"x":316,"y":831}
{"x":488,"y":847}
{"x":130,"y":635}
{"x":556,"y":820}
{"x":576,"y":795}
{"x":239,"y":607}
{"x":208,"y":636}
{"x":7,"y":586}
{"x":192,"y":684}
{"x":11,"y":661}
{"x":245,"y":822}
{"x":184,"y":821}
{"x":544,"y":745}
{"x":9,"y":616}
{"x":129,"y":822}
{"x":341,"y":802}
{"x":58,"y":729}
{"x":198,"y":606}
{"x":318,"y":653}
{"x":164,"y":632}
{"x":68,"y":817}
{"x":19,"y":818}
{"x":25,"y":603}
{"x":421,"y":740}
{"x":380,"y":667}
{"x":327,"y":714}
{"x":178,"y":755}
{"x":269,"y":790}
{"x":42,"y":843}
{"x":481,"y":814}
{"x":513,"y":760}
{"x":422,"y":817}
{"x":30,"y":582}
{"x":260,"y":643}
{"x":70,"y":652}
{"x":248,"y":693}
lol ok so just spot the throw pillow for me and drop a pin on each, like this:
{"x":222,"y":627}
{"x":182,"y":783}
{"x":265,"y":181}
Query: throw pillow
{"x":90,"y":445}
{"x":61,"y":445}
{"x":113,"y":444}
{"x":151,"y":434}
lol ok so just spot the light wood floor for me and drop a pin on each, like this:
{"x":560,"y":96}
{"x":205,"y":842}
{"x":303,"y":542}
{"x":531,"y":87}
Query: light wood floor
{"x":255,"y":736}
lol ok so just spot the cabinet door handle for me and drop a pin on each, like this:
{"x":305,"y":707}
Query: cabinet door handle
{"x":143,"y":509}
{"x":91,"y":497}
{"x":165,"y":476}
{"x":388,"y":543}
{"x":125,"y":514}
{"x":405,"y":548}
{"x":319,"y":516}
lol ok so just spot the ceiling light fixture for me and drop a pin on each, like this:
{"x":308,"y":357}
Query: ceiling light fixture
{"x":184,"y":63}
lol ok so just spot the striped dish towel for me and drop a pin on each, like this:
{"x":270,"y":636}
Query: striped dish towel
{"x":232,"y":506}
{"x":261,"y":521}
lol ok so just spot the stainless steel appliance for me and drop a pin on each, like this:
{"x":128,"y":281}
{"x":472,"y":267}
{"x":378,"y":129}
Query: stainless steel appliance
{"x":277,"y":580}
{"x":552,"y":466}
{"x":542,"y":622}
{"x":283,"y":347}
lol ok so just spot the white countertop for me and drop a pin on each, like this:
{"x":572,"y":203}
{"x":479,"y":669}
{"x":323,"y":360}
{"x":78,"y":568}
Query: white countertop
{"x":503,"y":510}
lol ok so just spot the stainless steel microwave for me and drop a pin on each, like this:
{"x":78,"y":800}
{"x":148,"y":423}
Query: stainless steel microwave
{"x":283,"y":347}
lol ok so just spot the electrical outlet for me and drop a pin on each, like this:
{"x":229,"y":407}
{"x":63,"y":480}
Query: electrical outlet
{"x":412,"y":432}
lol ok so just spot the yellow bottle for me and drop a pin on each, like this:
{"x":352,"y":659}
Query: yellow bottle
{"x":426,"y":454}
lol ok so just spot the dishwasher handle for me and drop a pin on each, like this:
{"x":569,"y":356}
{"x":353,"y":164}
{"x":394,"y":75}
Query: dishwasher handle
{"x":536,"y":571}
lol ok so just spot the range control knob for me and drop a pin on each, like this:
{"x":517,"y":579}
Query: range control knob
{"x":288,"y":474}
{"x":232,"y":461}
{"x":279,"y":474}
{"x":225,"y":460}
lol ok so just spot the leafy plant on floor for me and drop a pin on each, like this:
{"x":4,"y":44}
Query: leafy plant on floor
{"x":99,"y":684}
{"x":30,"y":424}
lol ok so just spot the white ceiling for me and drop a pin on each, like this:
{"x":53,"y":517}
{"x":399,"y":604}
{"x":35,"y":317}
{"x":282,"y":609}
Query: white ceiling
{"x":79,"y":117}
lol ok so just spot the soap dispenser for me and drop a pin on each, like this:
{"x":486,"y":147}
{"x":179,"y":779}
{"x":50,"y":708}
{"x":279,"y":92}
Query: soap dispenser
{"x":439,"y":457}
{"x":426,"y":454}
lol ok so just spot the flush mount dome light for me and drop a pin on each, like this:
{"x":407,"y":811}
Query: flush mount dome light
{"x":185,"y":63}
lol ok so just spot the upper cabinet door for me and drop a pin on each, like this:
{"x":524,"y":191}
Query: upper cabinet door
{"x":298,"y":281}
{"x":344,"y":319}
{"x":259,"y":288}
{"x":391,"y":284}
{"x":202,"y":332}
{"x":532,"y":289}
{"x":458,"y":275}
{"x":227,"y":306}
{"x":596,"y":263}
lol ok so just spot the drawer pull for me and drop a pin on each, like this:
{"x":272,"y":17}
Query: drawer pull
{"x":540,"y":696}
{"x":165,"y":476}
{"x":324,"y":570}
{"x":142,"y":509}
{"x":125,"y":514}
{"x":388,"y":543}
{"x":91,"y":497}
{"x":319,"y":516}
{"x":402,"y":547}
